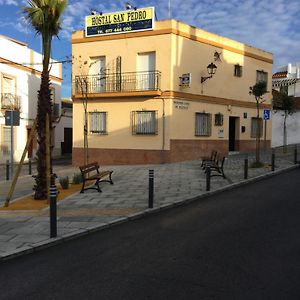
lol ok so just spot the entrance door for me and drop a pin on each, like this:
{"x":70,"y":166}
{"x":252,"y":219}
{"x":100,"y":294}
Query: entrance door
{"x":233,"y":133}
{"x":66,"y":145}
{"x":98,"y":74}
{"x":146,"y":68}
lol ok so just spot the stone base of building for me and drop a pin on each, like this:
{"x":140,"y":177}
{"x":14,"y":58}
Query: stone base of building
{"x":180,"y":150}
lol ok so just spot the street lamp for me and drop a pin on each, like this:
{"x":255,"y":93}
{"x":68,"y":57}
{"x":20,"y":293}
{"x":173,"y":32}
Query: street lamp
{"x":211,"y":70}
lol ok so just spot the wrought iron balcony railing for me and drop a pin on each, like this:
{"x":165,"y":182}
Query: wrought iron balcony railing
{"x":10,"y":101}
{"x":118,"y":82}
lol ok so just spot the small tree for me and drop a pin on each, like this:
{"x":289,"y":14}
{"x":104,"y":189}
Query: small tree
{"x":82,"y":85}
{"x":258,"y":90}
{"x":287,"y":104}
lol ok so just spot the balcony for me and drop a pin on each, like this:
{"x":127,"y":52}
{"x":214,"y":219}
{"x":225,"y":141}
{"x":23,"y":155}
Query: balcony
{"x":118,"y":84}
{"x":10,"y":101}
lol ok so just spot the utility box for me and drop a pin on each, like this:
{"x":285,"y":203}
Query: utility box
{"x":12,"y":117}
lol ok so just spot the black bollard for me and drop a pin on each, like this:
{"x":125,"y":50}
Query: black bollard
{"x":53,"y":209}
{"x":207,"y":171}
{"x":246,"y":168}
{"x":151,"y":188}
{"x":273,"y":161}
{"x":295,"y":155}
{"x":7,"y":170}
{"x":29,"y":166}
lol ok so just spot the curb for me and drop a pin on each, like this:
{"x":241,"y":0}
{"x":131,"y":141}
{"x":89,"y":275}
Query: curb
{"x":82,"y":232}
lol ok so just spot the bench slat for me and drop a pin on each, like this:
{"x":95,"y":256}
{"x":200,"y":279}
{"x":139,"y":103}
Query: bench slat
{"x":94,"y":167}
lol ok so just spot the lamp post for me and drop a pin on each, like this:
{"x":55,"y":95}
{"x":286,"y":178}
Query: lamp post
{"x":211,"y":70}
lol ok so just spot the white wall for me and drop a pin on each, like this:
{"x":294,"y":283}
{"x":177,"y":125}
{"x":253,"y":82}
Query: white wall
{"x":28,"y":84}
{"x":293,"y":128}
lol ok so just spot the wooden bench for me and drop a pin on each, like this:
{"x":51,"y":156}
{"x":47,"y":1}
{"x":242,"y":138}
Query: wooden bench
{"x":90,"y":172}
{"x":217,"y":167}
{"x":209,"y":160}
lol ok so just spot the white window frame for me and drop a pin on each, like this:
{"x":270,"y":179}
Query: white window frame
{"x":202,"y":124}
{"x":6,"y":140}
{"x":144,"y":122}
{"x":98,"y":123}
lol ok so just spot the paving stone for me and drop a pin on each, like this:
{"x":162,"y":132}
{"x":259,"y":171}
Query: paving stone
{"x":127,"y":198}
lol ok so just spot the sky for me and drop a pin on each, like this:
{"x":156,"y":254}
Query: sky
{"x":271,"y":25}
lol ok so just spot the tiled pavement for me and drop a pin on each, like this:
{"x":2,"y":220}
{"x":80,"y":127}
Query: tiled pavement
{"x":26,"y":231}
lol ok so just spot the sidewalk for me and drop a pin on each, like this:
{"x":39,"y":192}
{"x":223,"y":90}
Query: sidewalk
{"x":79,"y":214}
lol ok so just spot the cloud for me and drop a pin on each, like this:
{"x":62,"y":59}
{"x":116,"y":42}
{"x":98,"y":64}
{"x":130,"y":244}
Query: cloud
{"x":271,"y":26}
{"x":8,"y":2}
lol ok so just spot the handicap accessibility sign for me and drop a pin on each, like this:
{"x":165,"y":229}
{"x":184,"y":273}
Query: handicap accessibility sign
{"x":266,"y":114}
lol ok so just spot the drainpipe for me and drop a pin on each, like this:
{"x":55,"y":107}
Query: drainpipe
{"x":163,"y":125}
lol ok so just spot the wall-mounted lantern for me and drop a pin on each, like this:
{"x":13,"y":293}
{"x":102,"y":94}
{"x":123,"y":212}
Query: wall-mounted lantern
{"x":211,"y":70}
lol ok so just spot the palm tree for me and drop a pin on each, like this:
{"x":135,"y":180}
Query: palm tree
{"x":45,"y":17}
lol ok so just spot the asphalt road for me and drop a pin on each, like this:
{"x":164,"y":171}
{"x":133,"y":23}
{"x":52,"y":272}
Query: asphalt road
{"x":241,"y":244}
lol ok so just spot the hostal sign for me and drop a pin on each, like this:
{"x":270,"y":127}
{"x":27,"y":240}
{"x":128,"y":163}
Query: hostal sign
{"x":120,"y":22}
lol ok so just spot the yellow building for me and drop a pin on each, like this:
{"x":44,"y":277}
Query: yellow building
{"x":150,"y":98}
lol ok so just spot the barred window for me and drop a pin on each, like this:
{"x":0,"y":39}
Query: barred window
{"x":6,"y":140}
{"x":97,"y":122}
{"x":238,"y":70}
{"x":218,"y":119}
{"x":144,"y":122}
{"x":261,"y":76}
{"x":256,"y":127}
{"x":203,"y":124}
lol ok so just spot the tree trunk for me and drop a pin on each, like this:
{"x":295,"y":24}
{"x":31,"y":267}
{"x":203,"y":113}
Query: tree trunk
{"x":257,"y":148}
{"x":44,"y":107}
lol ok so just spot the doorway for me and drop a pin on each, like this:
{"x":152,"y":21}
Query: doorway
{"x":97,"y":70}
{"x":233,"y":133}
{"x":66,"y":145}
{"x":146,"y":71}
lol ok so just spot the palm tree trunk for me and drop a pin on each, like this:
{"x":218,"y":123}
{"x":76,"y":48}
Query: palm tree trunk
{"x":44,"y":107}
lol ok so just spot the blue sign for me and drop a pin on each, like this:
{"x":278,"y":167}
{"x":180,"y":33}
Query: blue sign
{"x":266,"y":114}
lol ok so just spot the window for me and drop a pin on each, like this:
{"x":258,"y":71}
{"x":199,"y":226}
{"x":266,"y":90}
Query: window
{"x":98,"y":122}
{"x":6,"y":140}
{"x":144,"y":122}
{"x":203,"y":124}
{"x":8,"y":92}
{"x":97,"y":72}
{"x":238,"y":70}
{"x":256,"y":127}
{"x":218,"y":119}
{"x":261,"y":76}
{"x":146,"y":71}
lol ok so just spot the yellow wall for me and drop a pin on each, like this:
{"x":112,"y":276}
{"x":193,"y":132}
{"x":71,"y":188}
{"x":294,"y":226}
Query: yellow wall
{"x":179,"y":49}
{"x":119,"y":125}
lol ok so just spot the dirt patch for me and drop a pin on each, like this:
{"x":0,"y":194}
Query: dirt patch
{"x":28,"y":203}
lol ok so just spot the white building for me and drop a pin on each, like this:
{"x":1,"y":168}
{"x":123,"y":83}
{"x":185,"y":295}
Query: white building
{"x":20,"y":77}
{"x":287,"y":80}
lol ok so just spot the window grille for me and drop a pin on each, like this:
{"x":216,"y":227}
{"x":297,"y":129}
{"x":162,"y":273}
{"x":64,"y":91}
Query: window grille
{"x":238,"y":70}
{"x":261,"y":76}
{"x":144,"y":122}
{"x":98,"y":122}
{"x":256,"y":127}
{"x":203,"y":124}
{"x":219,"y":119}
{"x":6,"y":140}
